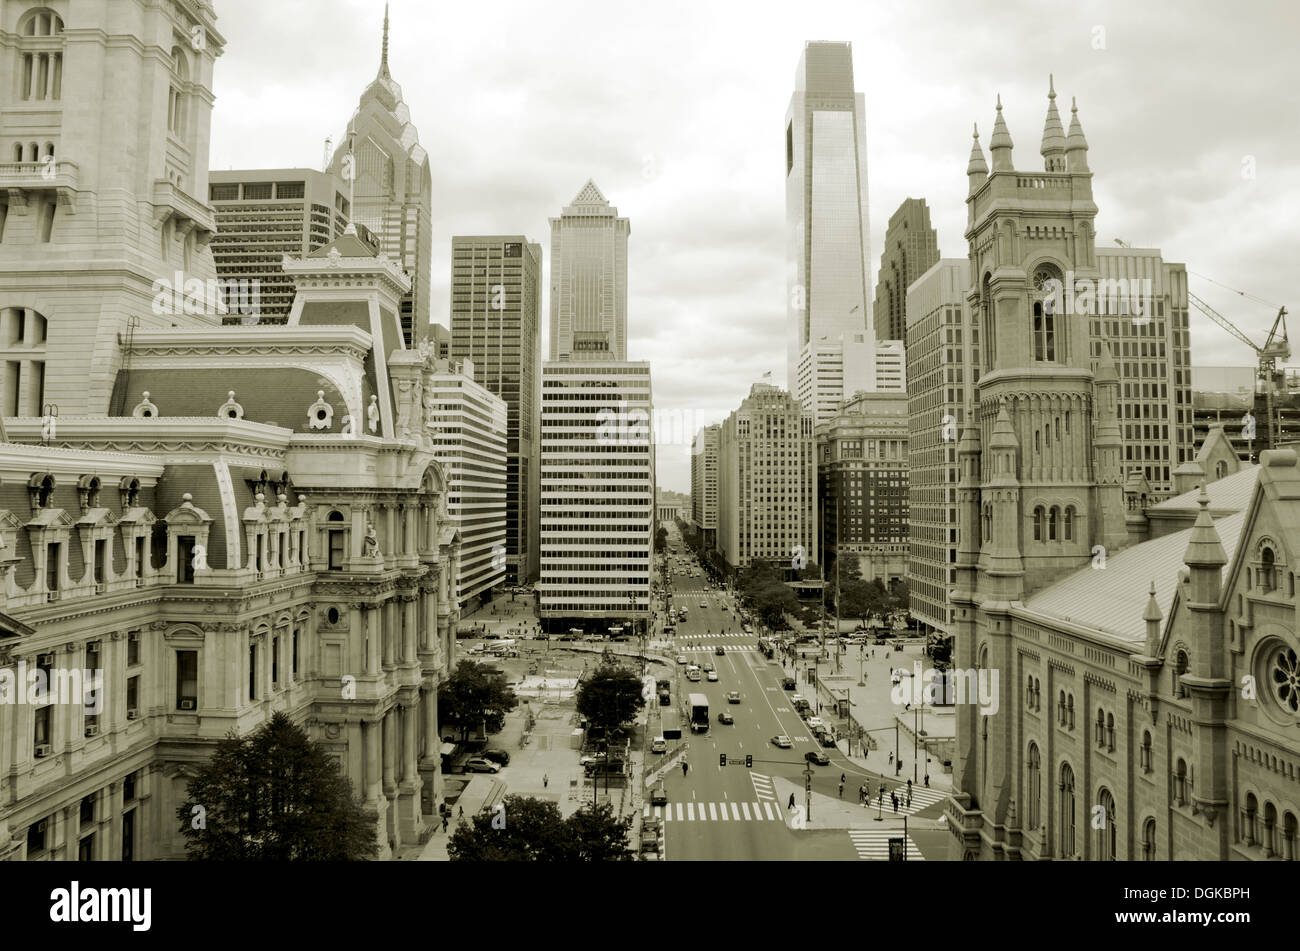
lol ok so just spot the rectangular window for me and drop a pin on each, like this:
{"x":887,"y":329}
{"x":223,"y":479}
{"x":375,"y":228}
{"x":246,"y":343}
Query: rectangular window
{"x":187,"y":680}
{"x":101,"y":559}
{"x":275,"y":661}
{"x":132,"y":696}
{"x":36,"y":836}
{"x":132,"y":648}
{"x":336,"y":551}
{"x":128,"y":830}
{"x":52,"y":552}
{"x":185,"y":559}
{"x":139,"y":556}
{"x":42,"y":730}
{"x":252,"y":671}
{"x":88,"y":809}
{"x":295,"y":655}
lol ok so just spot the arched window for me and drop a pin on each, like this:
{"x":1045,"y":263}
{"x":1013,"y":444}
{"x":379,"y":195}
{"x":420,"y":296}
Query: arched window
{"x":1110,"y":732}
{"x":1038,"y":524}
{"x":1267,"y":570}
{"x":1047,"y":291}
{"x":40,"y":55}
{"x":18,"y":151}
{"x":1180,"y":782}
{"x":1270,"y":831}
{"x":1180,"y":668}
{"x":1149,"y":840}
{"x":1145,"y":758}
{"x":1052,"y":517}
{"x":1220,"y":469}
{"x":178,"y":95}
{"x":1029,"y":694}
{"x":1033,"y":787}
{"x":1066,"y":789}
{"x":1060,"y":709}
{"x":988,"y":319}
{"x":1069,"y":523}
{"x":1289,"y":837}
{"x":1038,"y":694}
{"x":45,"y":493}
{"x":1069,"y":711}
{"x":988,"y":522}
{"x":1101,"y":726}
{"x":337,"y":539}
{"x":1250,"y":820}
{"x":1106,"y":835}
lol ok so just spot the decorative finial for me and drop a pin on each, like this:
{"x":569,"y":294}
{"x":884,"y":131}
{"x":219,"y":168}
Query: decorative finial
{"x":1051,"y":87}
{"x":1074,"y":104}
{"x":999,"y":102}
{"x":383,"y":60}
{"x":976,"y":133}
{"x":187,"y":499}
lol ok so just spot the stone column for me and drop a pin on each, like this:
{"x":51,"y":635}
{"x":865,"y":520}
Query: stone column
{"x":432,"y":742}
{"x":113,"y":821}
{"x":410,"y":812}
{"x":409,"y":608}
{"x":385,"y":615}
{"x":69,"y":820}
{"x":389,"y":740}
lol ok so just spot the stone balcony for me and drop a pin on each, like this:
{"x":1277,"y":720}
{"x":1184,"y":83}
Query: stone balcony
{"x":20,"y":178}
{"x":188,"y":212}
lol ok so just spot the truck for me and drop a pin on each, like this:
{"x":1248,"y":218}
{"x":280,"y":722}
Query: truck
{"x":669,"y":728}
{"x":699,"y":713}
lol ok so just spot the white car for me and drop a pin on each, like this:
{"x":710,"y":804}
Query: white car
{"x":815,"y":722}
{"x":681,"y":658}
{"x":782,"y":741}
{"x":713,"y":676}
{"x":658,"y":745}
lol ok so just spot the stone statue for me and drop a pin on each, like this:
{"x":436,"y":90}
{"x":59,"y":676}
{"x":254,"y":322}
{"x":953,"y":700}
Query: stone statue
{"x":404,"y":407}
{"x":372,"y":411}
{"x":371,"y":543}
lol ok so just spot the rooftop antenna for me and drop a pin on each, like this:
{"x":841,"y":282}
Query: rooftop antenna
{"x":329,"y":143}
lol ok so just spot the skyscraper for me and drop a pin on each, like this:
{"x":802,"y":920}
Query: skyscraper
{"x":704,"y":484}
{"x":828,"y":229}
{"x":496,"y":300}
{"x":393,"y":188}
{"x":589,"y":280}
{"x":911,"y":249}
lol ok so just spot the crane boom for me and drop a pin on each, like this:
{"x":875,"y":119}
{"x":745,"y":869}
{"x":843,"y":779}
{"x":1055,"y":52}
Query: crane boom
{"x":1222,"y":321}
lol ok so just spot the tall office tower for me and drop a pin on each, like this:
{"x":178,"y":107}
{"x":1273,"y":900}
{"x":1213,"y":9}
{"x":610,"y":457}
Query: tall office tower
{"x":597,"y":494}
{"x":767,"y":481}
{"x":1138,"y":307}
{"x":262,"y":215}
{"x":862,"y":485}
{"x":943,"y":360}
{"x":828,"y":229}
{"x":911,"y":249}
{"x":467,"y":425}
{"x":440,"y":341}
{"x":91,"y":224}
{"x":891,"y":367}
{"x":589,"y":280}
{"x":393,"y":197}
{"x":704,"y":484}
{"x":496,"y":302}
{"x":831,"y":371}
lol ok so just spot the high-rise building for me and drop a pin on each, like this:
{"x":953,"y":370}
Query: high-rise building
{"x":911,"y":249}
{"x":827,"y":225}
{"x":1121,"y":661}
{"x":862,"y":484}
{"x":767,"y":481}
{"x":597,"y":494}
{"x":466,"y":424}
{"x":262,"y":215}
{"x":496,"y":301}
{"x":943,"y":359}
{"x":114,"y":223}
{"x":704,"y":484}
{"x":440,"y":341}
{"x":589,"y":280}
{"x":831,"y":371}
{"x":381,"y":156}
{"x":891,"y":367}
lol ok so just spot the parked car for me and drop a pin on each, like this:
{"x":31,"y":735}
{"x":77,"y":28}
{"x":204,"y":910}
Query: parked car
{"x":818,"y":757}
{"x":658,"y":745}
{"x":826,"y":738}
{"x":704,"y":604}
{"x":782,"y":741}
{"x":733,"y":696}
{"x":816,"y":722}
{"x":787,"y":683}
{"x":500,"y":757}
{"x":477,"y":764}
{"x":726,"y":717}
{"x":660,"y":795}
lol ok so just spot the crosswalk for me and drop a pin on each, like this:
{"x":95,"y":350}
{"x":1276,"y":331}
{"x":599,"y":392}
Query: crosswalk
{"x":872,"y":845}
{"x":730,"y":648}
{"x":706,"y":637}
{"x":922,"y":797}
{"x":716,"y":812}
{"x":763,"y":788}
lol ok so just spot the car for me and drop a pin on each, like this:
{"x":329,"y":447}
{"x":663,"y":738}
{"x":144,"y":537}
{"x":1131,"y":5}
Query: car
{"x":719,"y":651}
{"x":816,"y":722}
{"x":787,"y":683}
{"x":660,"y":795}
{"x":658,"y":745}
{"x":669,"y":629}
{"x":704,"y":604}
{"x":712,"y":676}
{"x":733,"y":696}
{"x":682,"y":659}
{"x":477,"y":764}
{"x":749,"y":629}
{"x":782,"y":741}
{"x":826,"y":738}
{"x":500,"y":757}
{"x":726,"y":717}
{"x":897,"y":676}
{"x":797,"y":699}
{"x":818,"y":757}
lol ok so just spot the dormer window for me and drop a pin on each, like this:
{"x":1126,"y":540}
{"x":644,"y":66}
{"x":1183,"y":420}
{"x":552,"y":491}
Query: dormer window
{"x":1267,"y":570}
{"x":1180,"y":668}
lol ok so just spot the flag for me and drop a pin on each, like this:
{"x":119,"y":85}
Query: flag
{"x":767,"y":374}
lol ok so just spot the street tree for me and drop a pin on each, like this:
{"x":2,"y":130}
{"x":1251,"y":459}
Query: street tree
{"x":475,"y":695}
{"x":661,"y":539}
{"x":274,"y":796}
{"x":524,"y":829}
{"x":610,"y":698}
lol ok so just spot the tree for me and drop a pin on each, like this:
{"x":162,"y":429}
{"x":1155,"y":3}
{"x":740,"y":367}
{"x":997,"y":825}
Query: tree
{"x":274,"y":796}
{"x":661,"y":539}
{"x":474,"y":695}
{"x":610,"y":697}
{"x":524,"y":829}
{"x":767,"y":595}
{"x":902,"y":596}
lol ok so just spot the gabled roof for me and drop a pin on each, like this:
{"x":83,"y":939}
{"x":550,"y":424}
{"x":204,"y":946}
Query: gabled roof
{"x":1230,"y":494}
{"x":590,"y":195}
{"x":348,"y":244}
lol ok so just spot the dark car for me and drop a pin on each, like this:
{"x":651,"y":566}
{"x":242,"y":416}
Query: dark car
{"x":818,"y":757}
{"x":720,"y":651}
{"x":826,"y":738}
{"x":787,"y":683}
{"x":726,"y":717}
{"x":497,"y":756}
{"x":660,"y":795}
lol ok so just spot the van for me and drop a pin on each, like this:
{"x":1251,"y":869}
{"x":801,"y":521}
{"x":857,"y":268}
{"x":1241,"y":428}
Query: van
{"x":693,"y":672}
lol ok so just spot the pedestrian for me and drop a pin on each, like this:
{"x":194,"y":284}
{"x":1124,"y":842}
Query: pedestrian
{"x":927,"y":779}
{"x":841,"y":779}
{"x":891,"y":759}
{"x":791,"y":806}
{"x":546,"y":780}
{"x":909,"y":800}
{"x":460,"y":813}
{"x":685,"y":767}
{"x":444,"y":822}
{"x":893,"y":799}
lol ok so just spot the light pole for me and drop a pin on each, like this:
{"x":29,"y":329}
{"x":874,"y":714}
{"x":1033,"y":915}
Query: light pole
{"x":861,"y":682}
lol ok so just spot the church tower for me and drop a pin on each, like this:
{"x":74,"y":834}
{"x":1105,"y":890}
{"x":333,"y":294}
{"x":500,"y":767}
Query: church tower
{"x":104,"y":190}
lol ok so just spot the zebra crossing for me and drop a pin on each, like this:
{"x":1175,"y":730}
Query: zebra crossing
{"x":922,"y":797}
{"x":872,"y":845}
{"x":731,"y":648}
{"x":716,"y":812}
{"x":763,"y":788}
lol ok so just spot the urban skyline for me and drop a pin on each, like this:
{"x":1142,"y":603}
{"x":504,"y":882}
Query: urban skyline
{"x":699,"y":180}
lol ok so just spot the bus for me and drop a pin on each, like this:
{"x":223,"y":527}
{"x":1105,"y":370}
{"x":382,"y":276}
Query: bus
{"x":669,"y":727}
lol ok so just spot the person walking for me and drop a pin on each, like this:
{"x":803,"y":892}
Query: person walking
{"x":546,"y":780}
{"x":893,"y":799}
{"x":891,"y":759}
{"x":841,"y":779}
{"x":841,"y":789}
{"x":685,"y":767}
{"x":791,"y":806}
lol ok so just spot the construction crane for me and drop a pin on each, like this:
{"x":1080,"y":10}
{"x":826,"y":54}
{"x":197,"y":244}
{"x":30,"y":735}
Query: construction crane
{"x":1276,"y":347}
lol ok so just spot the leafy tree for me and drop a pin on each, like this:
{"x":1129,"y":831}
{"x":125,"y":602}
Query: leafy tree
{"x":610,"y":697}
{"x":475,"y":694}
{"x":274,"y":796}
{"x":767,"y":595}
{"x":661,"y":539}
{"x":531,"y":830}
{"x":902,"y":596}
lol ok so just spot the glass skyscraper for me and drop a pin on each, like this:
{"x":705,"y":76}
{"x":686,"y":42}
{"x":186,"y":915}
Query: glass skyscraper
{"x":589,"y":280}
{"x":828,"y":228}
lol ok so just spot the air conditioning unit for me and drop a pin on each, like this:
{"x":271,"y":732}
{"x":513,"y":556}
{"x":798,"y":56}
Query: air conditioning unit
{"x":44,"y":660}
{"x":42,"y":825}
{"x":92,"y":730}
{"x":43,"y":750}
{"x":187,"y":704}
{"x":133,"y":714}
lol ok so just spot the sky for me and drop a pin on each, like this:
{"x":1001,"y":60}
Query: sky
{"x":676,"y":110}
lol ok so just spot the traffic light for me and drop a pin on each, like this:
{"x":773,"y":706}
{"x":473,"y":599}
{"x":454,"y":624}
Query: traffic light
{"x":722,"y":759}
{"x":749,"y":760}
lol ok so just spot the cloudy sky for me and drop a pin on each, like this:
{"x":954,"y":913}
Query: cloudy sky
{"x":676,"y":110}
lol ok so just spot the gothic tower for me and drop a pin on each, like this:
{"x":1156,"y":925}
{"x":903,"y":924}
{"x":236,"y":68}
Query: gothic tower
{"x":104,"y":192}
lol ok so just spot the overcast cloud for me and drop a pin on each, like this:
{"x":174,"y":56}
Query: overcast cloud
{"x":676,"y":111}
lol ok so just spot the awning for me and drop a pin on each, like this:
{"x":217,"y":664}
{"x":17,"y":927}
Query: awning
{"x":447,"y":749}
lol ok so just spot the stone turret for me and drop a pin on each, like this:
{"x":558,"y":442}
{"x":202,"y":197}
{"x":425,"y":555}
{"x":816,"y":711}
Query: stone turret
{"x":1053,"y":147}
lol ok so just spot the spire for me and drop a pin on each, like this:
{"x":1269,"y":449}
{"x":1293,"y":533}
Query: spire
{"x":1076,"y":146}
{"x":1004,"y":433}
{"x":383,"y":58}
{"x":1153,"y":617}
{"x":1053,"y":148}
{"x":1204,"y":548}
{"x":1000,"y":144}
{"x":976,"y":169}
{"x":1106,"y":372}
